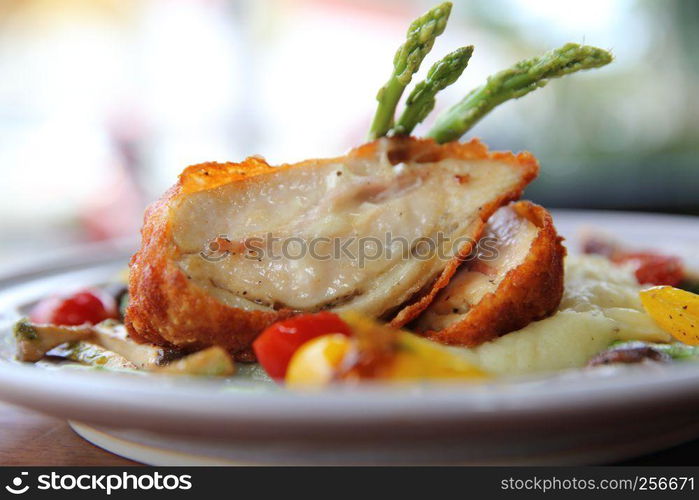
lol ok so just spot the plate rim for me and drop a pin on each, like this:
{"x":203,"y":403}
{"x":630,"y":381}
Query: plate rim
{"x":366,"y":404}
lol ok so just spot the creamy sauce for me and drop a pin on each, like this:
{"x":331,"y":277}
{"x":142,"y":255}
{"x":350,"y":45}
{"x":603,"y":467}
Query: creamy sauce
{"x":600,"y":305}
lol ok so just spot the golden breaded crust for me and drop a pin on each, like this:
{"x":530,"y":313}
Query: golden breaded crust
{"x":166,"y":308}
{"x":470,"y":151}
{"x":529,"y":292}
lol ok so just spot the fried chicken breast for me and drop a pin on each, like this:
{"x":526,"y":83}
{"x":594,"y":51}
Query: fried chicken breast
{"x":234,"y":247}
{"x":516,"y":278}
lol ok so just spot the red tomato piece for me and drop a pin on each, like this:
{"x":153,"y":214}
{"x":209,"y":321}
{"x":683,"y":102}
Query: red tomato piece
{"x":654,"y":269}
{"x":650,"y":268}
{"x":277,"y":344}
{"x":86,"y":306}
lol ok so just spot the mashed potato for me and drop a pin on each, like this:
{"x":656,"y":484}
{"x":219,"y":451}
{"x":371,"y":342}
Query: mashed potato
{"x":600,"y":305}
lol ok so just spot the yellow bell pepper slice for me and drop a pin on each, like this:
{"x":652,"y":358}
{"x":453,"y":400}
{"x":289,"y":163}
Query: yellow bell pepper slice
{"x":675,"y":311}
{"x":413,"y":357}
{"x":418,"y":358}
{"x":402,"y":357}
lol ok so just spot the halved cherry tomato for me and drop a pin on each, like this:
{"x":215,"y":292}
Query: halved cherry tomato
{"x":86,"y":306}
{"x":650,"y":268}
{"x":277,"y":344}
{"x":654,"y":269}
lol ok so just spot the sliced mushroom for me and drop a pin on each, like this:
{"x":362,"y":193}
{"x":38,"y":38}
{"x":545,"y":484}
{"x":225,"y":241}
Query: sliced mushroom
{"x":34,"y":341}
{"x":632,"y":352}
{"x":91,"y":354}
{"x":113,"y":336}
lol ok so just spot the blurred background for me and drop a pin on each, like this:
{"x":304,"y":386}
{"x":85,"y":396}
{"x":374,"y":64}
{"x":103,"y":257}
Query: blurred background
{"x":104,"y":102}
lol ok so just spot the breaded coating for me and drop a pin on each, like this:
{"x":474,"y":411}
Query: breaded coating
{"x":407,"y":186}
{"x":517,"y":278}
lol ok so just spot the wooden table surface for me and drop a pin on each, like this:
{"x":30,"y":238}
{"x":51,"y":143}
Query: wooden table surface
{"x":30,"y":438}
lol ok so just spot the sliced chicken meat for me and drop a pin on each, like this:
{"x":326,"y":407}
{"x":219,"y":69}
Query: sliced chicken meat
{"x":515,"y":278}
{"x":232,"y":248}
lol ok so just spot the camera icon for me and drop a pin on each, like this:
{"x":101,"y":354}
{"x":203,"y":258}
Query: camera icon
{"x":16,"y":487}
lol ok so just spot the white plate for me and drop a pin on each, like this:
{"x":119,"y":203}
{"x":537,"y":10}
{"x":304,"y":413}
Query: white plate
{"x":578,"y":417}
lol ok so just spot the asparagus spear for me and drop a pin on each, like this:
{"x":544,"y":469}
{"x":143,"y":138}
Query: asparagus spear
{"x":524,"y":77}
{"x":420,"y":38}
{"x":422,"y":99}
